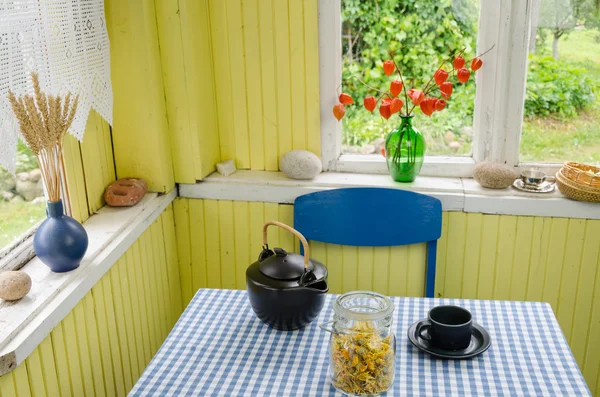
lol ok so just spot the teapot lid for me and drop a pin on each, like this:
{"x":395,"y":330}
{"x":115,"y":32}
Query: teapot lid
{"x":283,"y":266}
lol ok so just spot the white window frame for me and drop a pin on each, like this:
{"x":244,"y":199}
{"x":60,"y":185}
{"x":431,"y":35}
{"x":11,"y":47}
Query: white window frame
{"x":499,"y":99}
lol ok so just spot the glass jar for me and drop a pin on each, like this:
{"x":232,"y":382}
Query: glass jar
{"x":362,"y":347}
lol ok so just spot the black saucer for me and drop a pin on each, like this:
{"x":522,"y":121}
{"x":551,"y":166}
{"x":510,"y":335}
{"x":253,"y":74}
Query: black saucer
{"x":480,"y":342}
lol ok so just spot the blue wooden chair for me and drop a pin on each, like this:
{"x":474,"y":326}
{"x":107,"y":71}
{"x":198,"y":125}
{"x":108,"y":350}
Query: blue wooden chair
{"x":372,"y":217}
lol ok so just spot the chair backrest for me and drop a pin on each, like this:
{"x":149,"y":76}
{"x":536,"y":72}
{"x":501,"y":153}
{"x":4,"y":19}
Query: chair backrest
{"x":365,"y":216}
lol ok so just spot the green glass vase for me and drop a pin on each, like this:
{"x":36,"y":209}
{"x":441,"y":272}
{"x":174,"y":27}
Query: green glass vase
{"x":404,"y":151}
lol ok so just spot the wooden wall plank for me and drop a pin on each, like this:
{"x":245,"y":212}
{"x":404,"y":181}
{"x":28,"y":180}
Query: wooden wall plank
{"x":440,"y":276}
{"x":554,"y":261}
{"x":521,"y":258}
{"x":417,"y":269}
{"x":69,"y":333}
{"x":92,"y":341}
{"x":589,"y":272}
{"x":474,"y":237}
{"x":167,"y":222}
{"x":504,"y":257}
{"x":398,"y":270}
{"x":571,"y":265}
{"x":198,"y":243}
{"x":21,"y":381}
{"x":184,"y":253}
{"x":121,"y":327}
{"x":487,"y":259}
{"x":222,"y":69}
{"x":365,"y":268}
{"x":252,"y":53}
{"x":457,"y":236}
{"x":7,"y":386}
{"x":49,"y":368}
{"x":350,"y":268}
{"x":239,"y":100}
{"x":539,"y":248}
{"x":75,"y":179}
{"x":298,"y":73}
{"x":381,"y":268}
{"x":312,"y":94}
{"x":266,"y":42}
{"x":35,"y":374}
{"x":241,"y":240}
{"x":213,"y":248}
{"x":102,"y":327}
{"x":61,"y":359}
{"x":283,"y":75}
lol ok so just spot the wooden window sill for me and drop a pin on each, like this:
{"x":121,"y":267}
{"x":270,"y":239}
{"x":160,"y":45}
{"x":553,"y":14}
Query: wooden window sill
{"x":456,"y":194}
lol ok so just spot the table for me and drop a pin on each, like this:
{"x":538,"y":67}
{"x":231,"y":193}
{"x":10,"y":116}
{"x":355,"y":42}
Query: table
{"x":219,"y":348}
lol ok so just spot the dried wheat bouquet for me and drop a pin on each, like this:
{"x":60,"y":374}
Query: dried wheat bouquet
{"x":43,"y":121}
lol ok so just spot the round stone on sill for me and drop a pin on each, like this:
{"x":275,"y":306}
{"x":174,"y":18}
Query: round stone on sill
{"x":14,"y":285}
{"x":300,"y":164}
{"x":494,"y":175}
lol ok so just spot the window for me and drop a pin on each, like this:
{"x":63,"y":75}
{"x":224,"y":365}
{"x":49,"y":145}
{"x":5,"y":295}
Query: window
{"x":22,"y":202}
{"x":562,"y":111}
{"x":500,"y":112}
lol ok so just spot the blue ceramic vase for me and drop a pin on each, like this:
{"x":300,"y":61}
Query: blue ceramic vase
{"x":60,"y":241}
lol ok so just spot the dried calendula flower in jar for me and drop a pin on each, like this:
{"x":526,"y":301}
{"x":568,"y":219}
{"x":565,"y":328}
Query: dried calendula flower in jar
{"x":362,"y":360}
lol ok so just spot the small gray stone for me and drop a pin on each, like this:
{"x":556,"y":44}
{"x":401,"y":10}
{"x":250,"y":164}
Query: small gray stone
{"x":226,"y":167}
{"x":7,"y":196}
{"x":454,"y":145}
{"x":449,"y":136}
{"x":17,"y":199}
{"x":466,"y":130}
{"x":29,"y":189}
{"x":494,"y":175}
{"x":23,"y":176}
{"x":378,"y":144}
{"x":7,"y":183}
{"x":300,"y":164}
{"x":14,"y":285}
{"x":35,"y":175}
{"x":367,"y":149}
{"x":38,"y":200}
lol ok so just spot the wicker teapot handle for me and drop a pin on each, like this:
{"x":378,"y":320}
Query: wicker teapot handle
{"x":293,"y":231}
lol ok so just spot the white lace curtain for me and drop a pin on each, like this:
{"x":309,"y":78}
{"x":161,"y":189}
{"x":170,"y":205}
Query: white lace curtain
{"x":66,"y":43}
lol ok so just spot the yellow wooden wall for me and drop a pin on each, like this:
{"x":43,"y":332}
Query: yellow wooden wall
{"x":141,"y":141}
{"x":241,"y":81}
{"x":106,"y":341}
{"x":89,"y":167}
{"x":556,"y":260}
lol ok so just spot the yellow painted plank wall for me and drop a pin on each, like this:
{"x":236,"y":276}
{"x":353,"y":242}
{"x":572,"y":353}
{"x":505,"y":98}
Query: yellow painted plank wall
{"x":89,"y":167}
{"x":141,"y":140}
{"x":106,"y":341}
{"x":555,"y":260}
{"x":241,"y":81}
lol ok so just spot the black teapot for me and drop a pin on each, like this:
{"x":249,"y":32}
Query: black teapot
{"x":286,"y":290}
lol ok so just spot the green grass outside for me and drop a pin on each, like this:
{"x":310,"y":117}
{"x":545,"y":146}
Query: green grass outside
{"x":17,"y":218}
{"x":578,"y":138}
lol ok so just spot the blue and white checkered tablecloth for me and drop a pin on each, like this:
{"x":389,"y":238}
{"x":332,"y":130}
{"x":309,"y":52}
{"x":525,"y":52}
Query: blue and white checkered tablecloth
{"x":219,"y":348}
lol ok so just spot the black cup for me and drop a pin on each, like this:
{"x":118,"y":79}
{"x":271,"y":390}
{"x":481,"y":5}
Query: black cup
{"x":448,"y":328}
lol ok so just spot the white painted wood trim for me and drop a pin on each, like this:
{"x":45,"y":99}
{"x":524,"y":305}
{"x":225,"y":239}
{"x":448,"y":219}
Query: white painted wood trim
{"x":437,"y":166}
{"x":24,"y":324}
{"x":456,"y":194}
{"x":330,"y":79}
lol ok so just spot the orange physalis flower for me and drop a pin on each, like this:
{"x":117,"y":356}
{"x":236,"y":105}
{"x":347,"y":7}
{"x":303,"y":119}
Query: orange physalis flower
{"x":370,"y":103}
{"x":396,"y":87}
{"x":339,"y":111}
{"x":388,"y":68}
{"x":346,"y":99}
{"x":463,"y":75}
{"x":416,"y":96}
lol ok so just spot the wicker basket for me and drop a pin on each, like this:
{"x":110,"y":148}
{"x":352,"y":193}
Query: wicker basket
{"x":580,"y":173}
{"x":576,"y":191}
